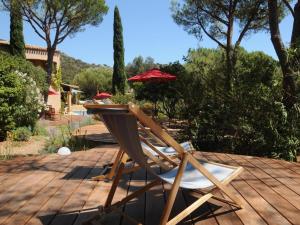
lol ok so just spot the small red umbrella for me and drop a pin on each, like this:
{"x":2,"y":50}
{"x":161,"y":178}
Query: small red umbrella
{"x":102,"y":95}
{"x":152,"y":75}
{"x":51,"y":91}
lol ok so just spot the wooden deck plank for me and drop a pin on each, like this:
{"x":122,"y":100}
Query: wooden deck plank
{"x":280,"y":167}
{"x":10,"y":179}
{"x":98,"y":195}
{"x":54,"y":204}
{"x":288,"y":210}
{"x":121,"y":192}
{"x":23,"y":206}
{"x":69,"y":212}
{"x":266,"y":211}
{"x":269,"y":196}
{"x":247,"y":215}
{"x":22,"y":184}
{"x":155,"y":202}
{"x":225,"y":214}
{"x":259,"y":187}
{"x":136,"y":207}
{"x":273,"y":182}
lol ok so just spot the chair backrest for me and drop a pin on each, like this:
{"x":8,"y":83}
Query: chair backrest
{"x":123,"y":126}
{"x":155,"y":129}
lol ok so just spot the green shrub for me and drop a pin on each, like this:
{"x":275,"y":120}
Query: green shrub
{"x":21,"y":97}
{"x":9,"y":63}
{"x":21,"y":134}
{"x":250,"y":119}
{"x":63,"y":137}
{"x":122,"y":99}
{"x":91,"y":80}
{"x":40,"y":130}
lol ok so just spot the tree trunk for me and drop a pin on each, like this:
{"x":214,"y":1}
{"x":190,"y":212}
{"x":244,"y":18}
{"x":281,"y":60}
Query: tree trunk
{"x":49,"y":68}
{"x":295,"y":40}
{"x":288,"y":80}
{"x":229,"y":49}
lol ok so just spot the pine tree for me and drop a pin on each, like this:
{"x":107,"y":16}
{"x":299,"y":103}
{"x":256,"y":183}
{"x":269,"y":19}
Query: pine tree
{"x":17,"y":45}
{"x":118,"y":80}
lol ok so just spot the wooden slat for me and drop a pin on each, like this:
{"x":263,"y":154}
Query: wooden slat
{"x":98,"y":195}
{"x":228,"y":214}
{"x":266,"y":194}
{"x":266,"y":210}
{"x":286,"y":209}
{"x":274,"y":183}
{"x":25,"y":206}
{"x":49,"y":210}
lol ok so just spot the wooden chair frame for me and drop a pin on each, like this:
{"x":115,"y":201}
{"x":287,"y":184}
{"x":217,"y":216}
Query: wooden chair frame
{"x":164,"y":161}
{"x":186,"y":157}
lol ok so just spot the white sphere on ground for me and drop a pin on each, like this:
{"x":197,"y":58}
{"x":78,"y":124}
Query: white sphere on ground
{"x":64,"y":151}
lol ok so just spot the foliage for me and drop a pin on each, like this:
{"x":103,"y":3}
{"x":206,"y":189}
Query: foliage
{"x":63,"y":136}
{"x":218,"y":19}
{"x":40,"y":130}
{"x":249,"y":120}
{"x":21,"y":134}
{"x":57,"y":79}
{"x":53,"y":21}
{"x":92,"y":80}
{"x":71,"y":66}
{"x":118,"y":80}
{"x":17,"y":45}
{"x":9,"y":63}
{"x":122,"y":99}
{"x":20,"y":95}
{"x":140,"y":65}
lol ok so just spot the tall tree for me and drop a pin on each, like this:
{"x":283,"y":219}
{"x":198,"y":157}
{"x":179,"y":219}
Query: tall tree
{"x":55,"y":20}
{"x":118,"y":79}
{"x":17,"y":45}
{"x":288,"y":72}
{"x":217,"y":19}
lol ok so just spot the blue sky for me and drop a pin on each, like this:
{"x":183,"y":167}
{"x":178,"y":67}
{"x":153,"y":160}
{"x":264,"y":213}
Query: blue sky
{"x":148,"y":30}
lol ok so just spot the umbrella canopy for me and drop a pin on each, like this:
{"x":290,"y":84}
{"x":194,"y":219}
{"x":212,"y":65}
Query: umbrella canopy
{"x":51,"y":91}
{"x":102,"y":95}
{"x":152,"y":75}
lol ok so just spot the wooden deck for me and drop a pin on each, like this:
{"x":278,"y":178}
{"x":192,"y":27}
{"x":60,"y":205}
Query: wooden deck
{"x":57,"y":190}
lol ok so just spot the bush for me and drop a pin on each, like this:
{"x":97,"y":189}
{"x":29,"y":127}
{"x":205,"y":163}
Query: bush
{"x":40,"y":130}
{"x":21,"y":134}
{"x":92,"y":80}
{"x":250,"y":119}
{"x":20,"y":94}
{"x":122,"y":99}
{"x":11,"y":63}
{"x":63,"y":136}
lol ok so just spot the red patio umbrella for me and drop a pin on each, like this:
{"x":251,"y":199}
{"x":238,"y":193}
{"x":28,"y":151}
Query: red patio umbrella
{"x":102,"y":95}
{"x":152,"y":75}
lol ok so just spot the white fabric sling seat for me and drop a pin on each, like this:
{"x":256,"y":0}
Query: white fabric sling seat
{"x":169,"y":151}
{"x":194,"y":179}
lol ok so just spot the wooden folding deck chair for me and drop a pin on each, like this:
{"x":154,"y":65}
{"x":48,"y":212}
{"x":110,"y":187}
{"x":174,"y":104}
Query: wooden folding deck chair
{"x":198,"y":176}
{"x":154,"y":152}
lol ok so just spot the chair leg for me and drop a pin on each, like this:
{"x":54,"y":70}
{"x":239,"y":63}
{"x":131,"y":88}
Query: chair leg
{"x":189,"y":209}
{"x":116,"y":181}
{"x":112,"y":171}
{"x":173,"y":192}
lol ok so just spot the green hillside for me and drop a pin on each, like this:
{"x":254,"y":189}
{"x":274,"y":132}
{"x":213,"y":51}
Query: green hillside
{"x":71,"y":66}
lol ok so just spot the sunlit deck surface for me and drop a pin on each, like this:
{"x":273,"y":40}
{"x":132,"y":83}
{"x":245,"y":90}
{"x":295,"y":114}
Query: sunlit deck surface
{"x":57,"y":190}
